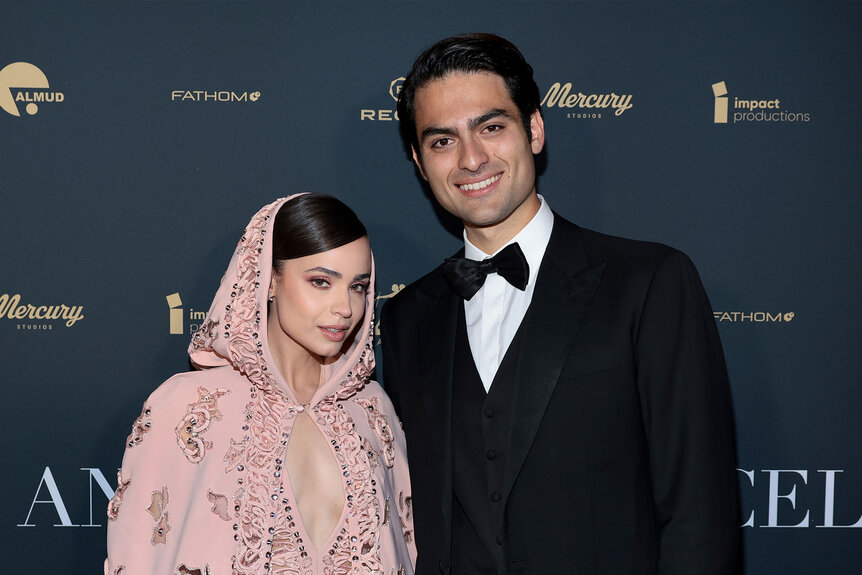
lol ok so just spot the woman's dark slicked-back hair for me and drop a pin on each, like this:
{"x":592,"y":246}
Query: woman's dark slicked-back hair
{"x":469,"y":53}
{"x":311,"y":224}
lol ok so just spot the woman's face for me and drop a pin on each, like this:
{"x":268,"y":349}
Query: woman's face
{"x":319,"y":300}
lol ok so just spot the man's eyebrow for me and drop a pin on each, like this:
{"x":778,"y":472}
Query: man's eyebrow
{"x":489,"y":115}
{"x":472,"y":124}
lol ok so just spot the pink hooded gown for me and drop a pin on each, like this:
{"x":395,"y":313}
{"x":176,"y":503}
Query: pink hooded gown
{"x":204,"y":487}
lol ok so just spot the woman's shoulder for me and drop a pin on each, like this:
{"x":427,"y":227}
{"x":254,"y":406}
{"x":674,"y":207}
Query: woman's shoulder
{"x":187,"y":386}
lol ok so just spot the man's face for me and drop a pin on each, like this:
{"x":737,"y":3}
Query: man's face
{"x":475,"y":154}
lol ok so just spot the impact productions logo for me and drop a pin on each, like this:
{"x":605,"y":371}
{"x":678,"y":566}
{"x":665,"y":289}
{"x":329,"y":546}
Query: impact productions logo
{"x":177,"y":318}
{"x":23,"y":82}
{"x":751,"y":110}
{"x":585,"y":106}
{"x":384,"y":114}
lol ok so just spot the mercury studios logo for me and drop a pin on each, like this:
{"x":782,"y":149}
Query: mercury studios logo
{"x":583,"y":106}
{"x":32,"y":317}
{"x":215,"y":96}
{"x":25,"y":83}
{"x":756,"y":110}
{"x":384,"y":114}
{"x":753,"y":317}
{"x":179,"y":322}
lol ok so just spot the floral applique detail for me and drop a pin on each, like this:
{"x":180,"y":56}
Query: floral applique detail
{"x":373,"y":461}
{"x":199,"y":417}
{"x":159,"y":510}
{"x":117,"y":499}
{"x":183,"y":570}
{"x":205,"y":335}
{"x":140,"y":427}
{"x":220,"y":504}
{"x":405,"y":512}
{"x":378,"y":423}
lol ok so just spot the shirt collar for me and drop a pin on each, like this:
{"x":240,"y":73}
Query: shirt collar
{"x":533,"y":239}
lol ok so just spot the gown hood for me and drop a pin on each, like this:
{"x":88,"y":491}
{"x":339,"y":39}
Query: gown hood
{"x":235,"y":329}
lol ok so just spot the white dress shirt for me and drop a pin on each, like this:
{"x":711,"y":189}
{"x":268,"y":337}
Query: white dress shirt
{"x":495,"y":313}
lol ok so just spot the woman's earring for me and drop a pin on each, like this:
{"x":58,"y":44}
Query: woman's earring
{"x":271,"y":297}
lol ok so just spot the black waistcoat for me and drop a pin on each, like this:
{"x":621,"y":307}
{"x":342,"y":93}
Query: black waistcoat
{"x":480,"y":432}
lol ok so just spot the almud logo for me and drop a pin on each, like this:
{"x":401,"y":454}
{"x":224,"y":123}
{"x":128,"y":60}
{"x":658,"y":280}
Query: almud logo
{"x":177,"y":316}
{"x":384,"y":114}
{"x":586,"y":106}
{"x":25,"y":83}
{"x":753,"y":110}
{"x":38,"y":317}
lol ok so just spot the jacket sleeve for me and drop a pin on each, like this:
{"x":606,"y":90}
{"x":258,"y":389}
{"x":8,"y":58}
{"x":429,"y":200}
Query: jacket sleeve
{"x":138,"y":514}
{"x":388,"y":340}
{"x":686,"y":403}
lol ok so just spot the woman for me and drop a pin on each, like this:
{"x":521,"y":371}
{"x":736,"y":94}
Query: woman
{"x":283,"y":457}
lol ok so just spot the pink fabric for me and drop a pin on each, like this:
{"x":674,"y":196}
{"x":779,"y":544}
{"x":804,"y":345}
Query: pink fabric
{"x":203,"y":487}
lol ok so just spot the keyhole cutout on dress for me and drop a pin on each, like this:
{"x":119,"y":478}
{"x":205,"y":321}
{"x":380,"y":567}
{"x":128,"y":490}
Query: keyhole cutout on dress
{"x":315,"y":478}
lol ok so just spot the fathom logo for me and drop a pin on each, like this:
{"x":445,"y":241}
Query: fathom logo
{"x":177,"y":319}
{"x":384,"y":114}
{"x":214,"y":96}
{"x":753,"y":317}
{"x":23,"y":75}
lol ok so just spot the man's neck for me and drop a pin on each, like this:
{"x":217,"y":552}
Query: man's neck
{"x":491,"y":238}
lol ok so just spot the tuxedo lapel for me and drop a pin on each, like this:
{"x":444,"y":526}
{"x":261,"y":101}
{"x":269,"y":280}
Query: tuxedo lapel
{"x":564,"y":290}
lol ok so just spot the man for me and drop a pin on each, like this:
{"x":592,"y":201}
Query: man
{"x":566,"y":403}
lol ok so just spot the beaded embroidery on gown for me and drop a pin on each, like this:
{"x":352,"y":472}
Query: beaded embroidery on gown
{"x":204,"y":488}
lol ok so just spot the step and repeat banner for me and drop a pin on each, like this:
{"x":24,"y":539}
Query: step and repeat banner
{"x":137,"y":139}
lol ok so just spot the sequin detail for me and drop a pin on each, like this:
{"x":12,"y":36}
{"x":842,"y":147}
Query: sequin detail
{"x":377,"y":421}
{"x":141,"y":425}
{"x":117,"y":499}
{"x":159,"y":510}
{"x":205,"y":335}
{"x":200,"y":415}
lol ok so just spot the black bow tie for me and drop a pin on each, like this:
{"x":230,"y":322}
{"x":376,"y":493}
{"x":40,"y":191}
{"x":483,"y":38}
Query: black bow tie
{"x":467,"y":276}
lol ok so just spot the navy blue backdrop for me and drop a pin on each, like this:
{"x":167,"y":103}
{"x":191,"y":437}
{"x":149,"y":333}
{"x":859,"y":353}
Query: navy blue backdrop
{"x":136,"y":140}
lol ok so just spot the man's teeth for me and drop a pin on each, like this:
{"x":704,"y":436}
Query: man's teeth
{"x":480,"y":185}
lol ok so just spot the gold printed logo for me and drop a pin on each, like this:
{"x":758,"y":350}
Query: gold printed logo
{"x":11,"y":308}
{"x":176,"y":305}
{"x":591,"y":105}
{"x":384,"y":114}
{"x":15,"y":79}
{"x":177,"y":321}
{"x":395,"y":289}
{"x":752,"y":110}
{"x":719,"y":90}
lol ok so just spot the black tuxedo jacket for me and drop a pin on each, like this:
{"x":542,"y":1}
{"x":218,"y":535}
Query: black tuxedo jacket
{"x":621,"y":456}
